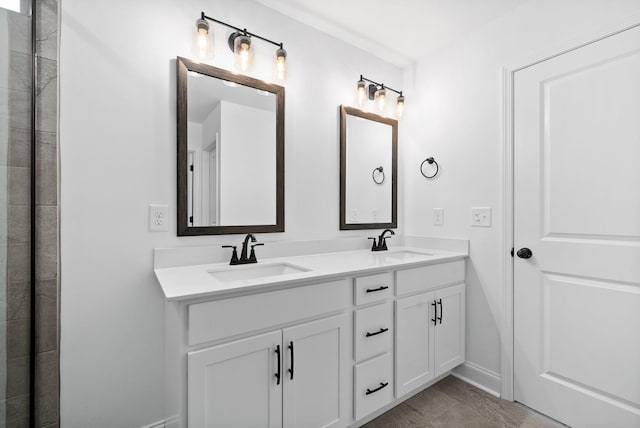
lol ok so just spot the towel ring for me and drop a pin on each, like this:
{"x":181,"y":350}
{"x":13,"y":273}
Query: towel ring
{"x":429,"y":161}
{"x":373,"y":175}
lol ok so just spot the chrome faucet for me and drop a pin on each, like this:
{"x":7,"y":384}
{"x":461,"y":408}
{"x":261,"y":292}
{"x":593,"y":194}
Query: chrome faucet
{"x":243,"y":254}
{"x":381,"y":244}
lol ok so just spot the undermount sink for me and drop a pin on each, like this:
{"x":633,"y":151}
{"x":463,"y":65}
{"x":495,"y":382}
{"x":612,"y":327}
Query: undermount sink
{"x":253,"y":271}
{"x":404,"y":255}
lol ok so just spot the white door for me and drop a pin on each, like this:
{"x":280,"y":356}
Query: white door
{"x":449,"y":329}
{"x":577,"y":208}
{"x":314,"y":374}
{"x":235,"y":385}
{"x":415,"y":320}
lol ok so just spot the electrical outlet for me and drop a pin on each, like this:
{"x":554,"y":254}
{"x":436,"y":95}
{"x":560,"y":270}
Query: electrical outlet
{"x":481,"y":217}
{"x":438,"y":216}
{"x":158,"y":218}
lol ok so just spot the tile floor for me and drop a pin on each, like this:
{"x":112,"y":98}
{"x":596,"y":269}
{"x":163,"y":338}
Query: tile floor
{"x":453,"y":403}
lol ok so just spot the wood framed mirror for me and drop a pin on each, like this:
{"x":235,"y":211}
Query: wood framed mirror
{"x":230,"y":152}
{"x":368,"y":170}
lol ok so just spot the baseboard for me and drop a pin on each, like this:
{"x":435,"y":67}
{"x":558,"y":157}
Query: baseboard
{"x":159,"y":424}
{"x":479,"y":377}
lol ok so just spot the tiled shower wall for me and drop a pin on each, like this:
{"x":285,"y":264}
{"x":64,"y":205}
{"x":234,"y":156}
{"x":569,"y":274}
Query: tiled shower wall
{"x":19,"y":201}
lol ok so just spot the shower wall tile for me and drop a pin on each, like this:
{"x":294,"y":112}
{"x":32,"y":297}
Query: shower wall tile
{"x":17,"y":376}
{"x":19,"y":227}
{"x":18,"y":301}
{"x":47,"y":28}
{"x":46,"y":171}
{"x":19,"y":185}
{"x":19,"y":147}
{"x":19,"y":71}
{"x":47,"y":395}
{"x":20,"y":32}
{"x":18,"y":263}
{"x":20,"y":113}
{"x":46,"y":242}
{"x":18,"y":340}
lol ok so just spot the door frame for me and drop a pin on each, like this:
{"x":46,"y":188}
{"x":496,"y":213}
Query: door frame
{"x":508,"y":74}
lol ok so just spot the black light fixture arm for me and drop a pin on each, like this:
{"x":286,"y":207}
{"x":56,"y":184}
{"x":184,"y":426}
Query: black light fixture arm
{"x":243,"y":31}
{"x":382,"y":85}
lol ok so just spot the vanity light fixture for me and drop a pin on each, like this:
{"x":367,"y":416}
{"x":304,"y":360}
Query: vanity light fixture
{"x":239,"y":43}
{"x":377,"y":92}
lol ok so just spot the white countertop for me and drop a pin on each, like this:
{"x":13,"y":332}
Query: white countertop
{"x":196,"y":281}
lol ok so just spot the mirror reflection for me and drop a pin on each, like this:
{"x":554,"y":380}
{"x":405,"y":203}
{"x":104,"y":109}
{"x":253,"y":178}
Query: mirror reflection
{"x":368,"y":170}
{"x":231,"y":152}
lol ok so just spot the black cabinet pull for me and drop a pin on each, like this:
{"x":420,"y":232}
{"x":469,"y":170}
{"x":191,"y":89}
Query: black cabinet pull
{"x":371,"y":290}
{"x":440,"y":317}
{"x":371,"y":391}
{"x":278,"y":374}
{"x":382,"y":330}
{"x":435,"y":313}
{"x":291,"y":369}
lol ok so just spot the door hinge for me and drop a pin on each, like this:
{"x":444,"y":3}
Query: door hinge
{"x":191,"y":168}
{"x":191,"y":221}
{"x":511,"y":251}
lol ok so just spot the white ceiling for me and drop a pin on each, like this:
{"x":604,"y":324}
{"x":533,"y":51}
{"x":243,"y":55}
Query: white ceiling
{"x":398,"y":31}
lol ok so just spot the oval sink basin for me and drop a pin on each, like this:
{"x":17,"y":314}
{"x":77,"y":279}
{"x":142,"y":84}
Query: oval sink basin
{"x":254,"y":271}
{"x":404,"y":255}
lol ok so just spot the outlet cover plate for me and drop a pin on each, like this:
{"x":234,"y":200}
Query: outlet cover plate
{"x":158,"y":218}
{"x":481,"y":217}
{"x":438,"y":216}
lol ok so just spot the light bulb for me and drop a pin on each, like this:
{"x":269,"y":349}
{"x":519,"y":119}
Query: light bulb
{"x":400,"y":105}
{"x":244,"y":55}
{"x":203,"y":40}
{"x":381,"y":98}
{"x":280,"y":64}
{"x":361,"y":92}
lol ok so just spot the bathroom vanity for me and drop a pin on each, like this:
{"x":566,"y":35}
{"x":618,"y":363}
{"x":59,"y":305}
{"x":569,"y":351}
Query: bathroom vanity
{"x":324,"y":340}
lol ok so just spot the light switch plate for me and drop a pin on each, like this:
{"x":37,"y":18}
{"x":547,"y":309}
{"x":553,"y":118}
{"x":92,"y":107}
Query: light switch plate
{"x":158,"y":218}
{"x":481,"y":217}
{"x":438,"y":216}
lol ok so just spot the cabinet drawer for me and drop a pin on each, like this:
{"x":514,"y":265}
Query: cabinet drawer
{"x":218,"y":319}
{"x":429,"y":277}
{"x":373,"y":385}
{"x":373,"y":331}
{"x":372,"y":288}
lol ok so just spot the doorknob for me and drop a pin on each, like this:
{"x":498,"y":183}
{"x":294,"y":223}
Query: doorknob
{"x":524,"y":253}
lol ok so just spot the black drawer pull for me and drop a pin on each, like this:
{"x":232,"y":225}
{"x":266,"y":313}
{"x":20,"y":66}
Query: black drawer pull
{"x":382,"y":330}
{"x":371,"y":391}
{"x":440,"y":317}
{"x":291,"y":369}
{"x":435,"y":313}
{"x":279,"y":365}
{"x":372,"y":290}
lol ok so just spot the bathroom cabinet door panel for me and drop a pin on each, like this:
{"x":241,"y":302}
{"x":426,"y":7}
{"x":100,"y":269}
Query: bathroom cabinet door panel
{"x":449,"y":330}
{"x":414,"y":342}
{"x":314,"y":395}
{"x":234,"y":385}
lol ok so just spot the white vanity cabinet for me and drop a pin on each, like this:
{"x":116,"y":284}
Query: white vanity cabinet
{"x":287,"y":378}
{"x":430,"y":338}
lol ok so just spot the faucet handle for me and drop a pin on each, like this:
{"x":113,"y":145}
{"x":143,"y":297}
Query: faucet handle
{"x":234,"y":255}
{"x":375,"y":244}
{"x":383,"y":245}
{"x":252,"y":256}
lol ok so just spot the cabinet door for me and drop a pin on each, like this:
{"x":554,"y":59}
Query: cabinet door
{"x":314,"y":374}
{"x":234,"y":385}
{"x":449,"y":337}
{"x":414,"y":342}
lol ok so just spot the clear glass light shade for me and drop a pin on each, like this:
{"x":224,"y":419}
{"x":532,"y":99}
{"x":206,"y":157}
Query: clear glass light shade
{"x":381,"y":98}
{"x":280,"y":64}
{"x":243,"y":53}
{"x":202,"y":40}
{"x":400,"y":106}
{"x":361,"y":92}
